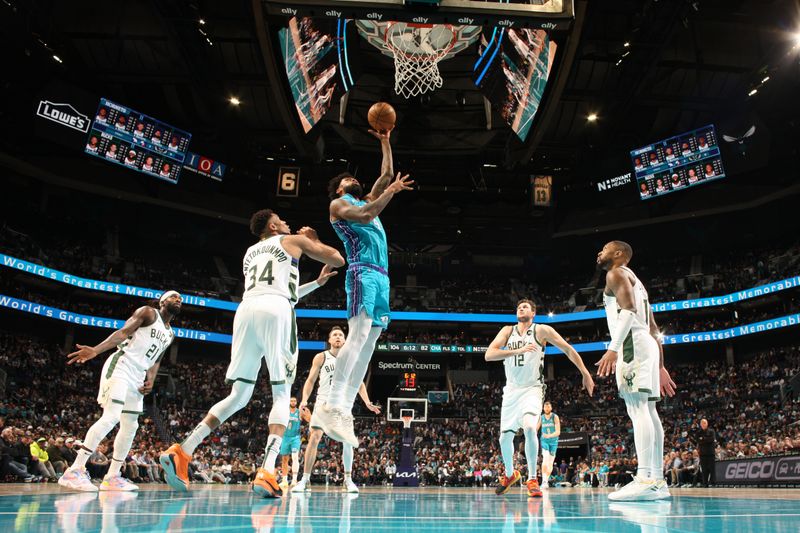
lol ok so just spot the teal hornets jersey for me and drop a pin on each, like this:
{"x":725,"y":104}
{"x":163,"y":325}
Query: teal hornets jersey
{"x":293,"y":427}
{"x":548,"y":426}
{"x":364,"y":243}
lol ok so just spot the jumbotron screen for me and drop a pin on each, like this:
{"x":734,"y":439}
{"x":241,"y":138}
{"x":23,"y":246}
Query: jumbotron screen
{"x":136,"y":141}
{"x":677,"y":163}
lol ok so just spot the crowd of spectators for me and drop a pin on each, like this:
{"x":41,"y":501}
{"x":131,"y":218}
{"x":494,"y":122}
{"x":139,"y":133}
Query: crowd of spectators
{"x":473,"y":289}
{"x":47,"y":406}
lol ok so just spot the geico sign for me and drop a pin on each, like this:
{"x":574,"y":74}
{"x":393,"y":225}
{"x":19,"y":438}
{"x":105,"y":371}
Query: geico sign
{"x":750,"y":470}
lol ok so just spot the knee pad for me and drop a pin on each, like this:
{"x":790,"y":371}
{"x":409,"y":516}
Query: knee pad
{"x":279,"y":414}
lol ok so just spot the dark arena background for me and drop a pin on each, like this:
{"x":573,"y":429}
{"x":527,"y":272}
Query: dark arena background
{"x":140,"y":137}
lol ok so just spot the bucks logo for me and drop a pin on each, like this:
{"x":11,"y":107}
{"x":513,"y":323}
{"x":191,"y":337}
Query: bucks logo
{"x":629,"y":377}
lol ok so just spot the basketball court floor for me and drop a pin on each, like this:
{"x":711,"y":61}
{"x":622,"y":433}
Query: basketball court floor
{"x":37,"y":508}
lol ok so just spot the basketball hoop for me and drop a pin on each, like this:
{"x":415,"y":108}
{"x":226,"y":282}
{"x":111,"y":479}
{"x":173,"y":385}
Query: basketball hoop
{"x":417,"y":50}
{"x":407,"y":421}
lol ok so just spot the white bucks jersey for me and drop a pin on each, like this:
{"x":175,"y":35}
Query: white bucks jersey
{"x":142,"y":349}
{"x":269,"y":269}
{"x":525,"y":369}
{"x":641,"y":302}
{"x":325,"y":377}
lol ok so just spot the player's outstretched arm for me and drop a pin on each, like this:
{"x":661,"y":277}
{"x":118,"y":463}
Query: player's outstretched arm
{"x":342,"y":210}
{"x":362,"y":391}
{"x":667,"y":385}
{"x":150,"y":378}
{"x":144,"y":316}
{"x":549,"y":334}
{"x":496,"y":350}
{"x":307,"y":242}
{"x":313,"y":374}
{"x":387,"y":166}
{"x":325,"y":274}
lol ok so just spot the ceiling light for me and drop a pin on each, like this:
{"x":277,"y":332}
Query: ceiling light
{"x":57,"y":59}
{"x":234,"y":101}
{"x":202,"y":21}
{"x":751,"y":93}
{"x":592,"y":117}
{"x":765,"y":80}
{"x":209,"y":41}
{"x":626,"y":44}
{"x":619,"y":62}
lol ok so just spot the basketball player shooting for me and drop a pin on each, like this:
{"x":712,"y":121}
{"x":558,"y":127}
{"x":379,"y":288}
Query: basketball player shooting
{"x":521,"y":348}
{"x":637,"y":356}
{"x":126,"y":377}
{"x":263,"y":328}
{"x":356,"y":222}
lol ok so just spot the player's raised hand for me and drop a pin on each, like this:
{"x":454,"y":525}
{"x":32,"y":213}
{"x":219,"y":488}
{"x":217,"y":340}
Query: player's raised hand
{"x":607,"y":364}
{"x":83,"y":354}
{"x":381,"y":135}
{"x":311,"y":233}
{"x":374,"y":408}
{"x":401,"y":183}
{"x":325,"y":274}
{"x":667,"y":385}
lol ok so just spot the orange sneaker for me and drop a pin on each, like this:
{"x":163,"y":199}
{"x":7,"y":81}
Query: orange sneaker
{"x":507,"y":482}
{"x":533,"y":489}
{"x":175,"y":462}
{"x":266,"y":485}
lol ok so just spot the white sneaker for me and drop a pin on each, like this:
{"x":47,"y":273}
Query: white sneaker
{"x":663,"y":490}
{"x":337,"y":424}
{"x":77,"y":479}
{"x":545,"y":485}
{"x":117,"y":483}
{"x":350,"y":487}
{"x":301,"y":486}
{"x":640,"y":489}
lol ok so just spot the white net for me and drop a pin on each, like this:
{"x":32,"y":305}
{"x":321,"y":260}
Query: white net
{"x":417,"y":51}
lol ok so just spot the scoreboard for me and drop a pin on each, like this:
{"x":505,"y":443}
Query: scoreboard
{"x":136,"y":141}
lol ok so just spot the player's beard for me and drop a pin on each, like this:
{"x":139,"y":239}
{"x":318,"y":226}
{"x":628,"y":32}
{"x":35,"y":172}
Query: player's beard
{"x":354,"y":190}
{"x":175,"y":309}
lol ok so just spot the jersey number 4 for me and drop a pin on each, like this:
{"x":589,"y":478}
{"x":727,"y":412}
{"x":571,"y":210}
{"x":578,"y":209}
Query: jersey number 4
{"x":266,"y":275}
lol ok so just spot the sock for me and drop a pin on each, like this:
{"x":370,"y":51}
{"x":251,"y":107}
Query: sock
{"x":531,"y":446}
{"x":357,"y":331}
{"x":360,"y":366}
{"x":657,"y":461}
{"x":347,"y":459}
{"x":295,"y":465}
{"x":507,"y":451}
{"x":643,"y":433}
{"x":198,"y":434}
{"x":271,"y":452}
{"x":80,"y":460}
{"x":114,"y":468}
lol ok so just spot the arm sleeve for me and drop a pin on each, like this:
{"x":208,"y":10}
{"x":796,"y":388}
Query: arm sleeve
{"x":307,"y":288}
{"x":624,"y":322}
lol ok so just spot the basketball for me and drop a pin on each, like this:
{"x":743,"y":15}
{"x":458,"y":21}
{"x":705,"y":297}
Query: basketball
{"x":381,"y":117}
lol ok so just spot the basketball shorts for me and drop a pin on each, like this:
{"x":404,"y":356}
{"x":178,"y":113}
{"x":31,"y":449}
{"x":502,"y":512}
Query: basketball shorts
{"x":118,"y":386}
{"x":638,"y":368}
{"x":290,"y":445}
{"x":264,"y":327}
{"x":368,"y":289}
{"x":549,"y":445}
{"x":518,"y":402}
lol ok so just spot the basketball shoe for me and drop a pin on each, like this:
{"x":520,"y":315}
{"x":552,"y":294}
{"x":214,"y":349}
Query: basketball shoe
{"x":266,"y":485}
{"x":533,"y":489}
{"x":175,"y":462}
{"x":507,"y":482}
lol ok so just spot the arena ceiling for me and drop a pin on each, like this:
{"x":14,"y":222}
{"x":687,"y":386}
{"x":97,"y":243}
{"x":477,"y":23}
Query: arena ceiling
{"x":686,"y":62}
